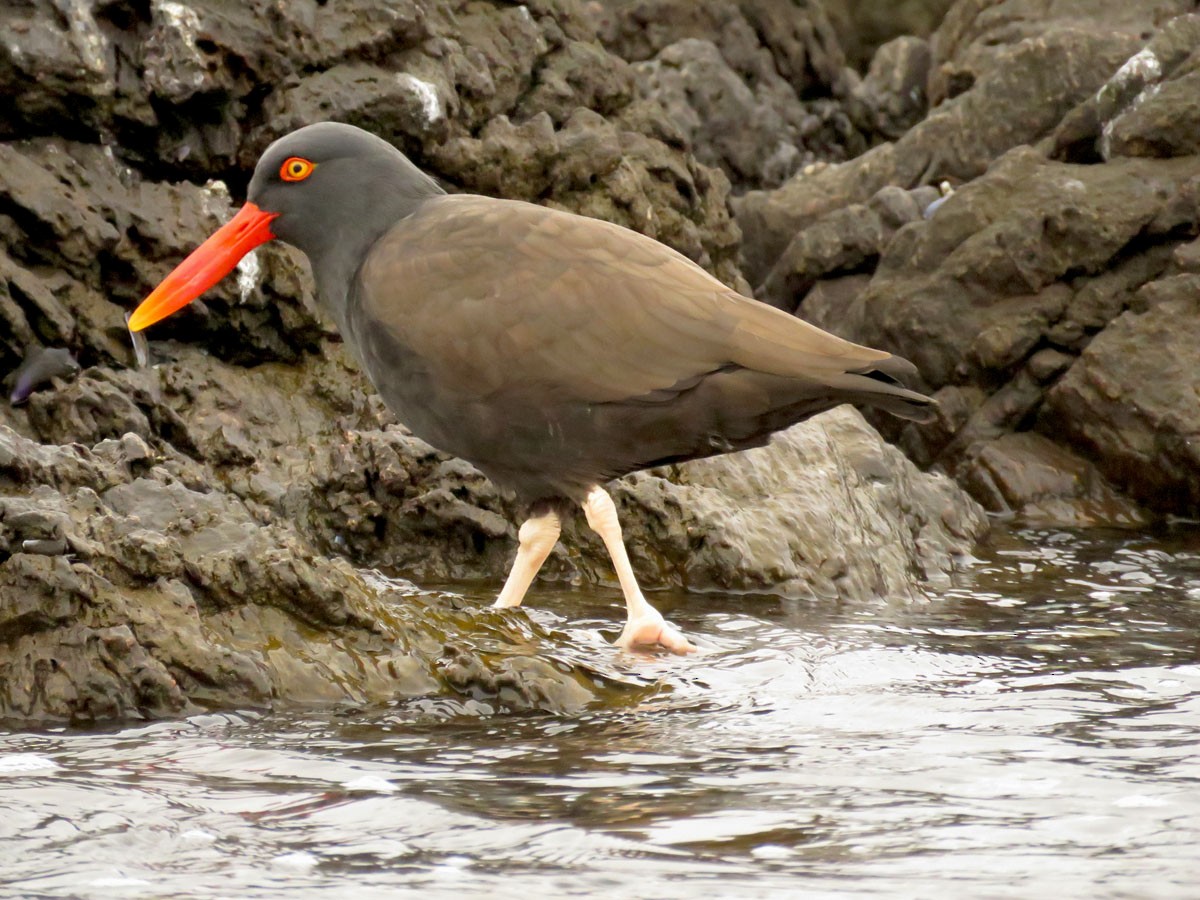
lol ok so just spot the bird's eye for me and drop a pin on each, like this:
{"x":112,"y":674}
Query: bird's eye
{"x":296,"y":168}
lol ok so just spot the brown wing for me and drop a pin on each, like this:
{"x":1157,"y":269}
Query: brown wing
{"x":500,"y":296}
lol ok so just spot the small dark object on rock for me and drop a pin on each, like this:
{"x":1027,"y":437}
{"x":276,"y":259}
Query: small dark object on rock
{"x":39,"y":367}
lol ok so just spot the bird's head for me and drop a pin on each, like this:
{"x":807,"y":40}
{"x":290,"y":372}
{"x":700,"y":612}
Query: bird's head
{"x":325,"y":188}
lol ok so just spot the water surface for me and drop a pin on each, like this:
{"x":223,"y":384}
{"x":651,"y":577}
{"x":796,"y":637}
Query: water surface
{"x":1031,"y":733}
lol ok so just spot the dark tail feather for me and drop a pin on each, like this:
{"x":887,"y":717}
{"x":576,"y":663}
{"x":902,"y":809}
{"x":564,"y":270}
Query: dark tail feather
{"x":882,"y":385}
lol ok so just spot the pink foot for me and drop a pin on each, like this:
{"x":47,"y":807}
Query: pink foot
{"x":651,"y":629}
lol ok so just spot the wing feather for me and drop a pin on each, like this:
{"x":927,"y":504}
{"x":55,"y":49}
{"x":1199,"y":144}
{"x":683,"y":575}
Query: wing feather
{"x":501,"y":296}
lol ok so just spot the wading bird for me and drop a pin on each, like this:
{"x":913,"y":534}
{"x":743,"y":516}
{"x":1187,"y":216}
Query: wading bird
{"x":554,"y":352}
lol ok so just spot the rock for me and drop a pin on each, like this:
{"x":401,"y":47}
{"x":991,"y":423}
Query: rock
{"x":1029,"y":476}
{"x":747,"y":84}
{"x":750,"y":133}
{"x":890,"y":99}
{"x":1030,"y":298}
{"x":1111,"y":121}
{"x":172,"y":599}
{"x":206,"y":598}
{"x":865,"y":26}
{"x":1130,"y":400}
{"x":996,"y":84}
{"x":1163,"y":120}
{"x":1027,"y":237}
{"x":202,"y":530}
{"x":827,"y":510}
{"x":758,"y":38}
{"x":842,"y":242}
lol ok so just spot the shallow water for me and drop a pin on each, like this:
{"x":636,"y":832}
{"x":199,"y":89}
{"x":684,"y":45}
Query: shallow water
{"x":1032,"y":733}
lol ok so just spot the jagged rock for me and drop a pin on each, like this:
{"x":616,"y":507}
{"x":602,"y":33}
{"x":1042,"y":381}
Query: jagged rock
{"x":997,"y":84}
{"x":1000,"y":263}
{"x":864,"y":26}
{"x":842,"y":242}
{"x":200,"y":531}
{"x":1028,"y":475}
{"x":168,"y":597}
{"x":828,"y":510}
{"x":758,"y":38}
{"x":747,"y":84}
{"x":1130,"y":400}
{"x":752,"y":134}
{"x":890,"y":99}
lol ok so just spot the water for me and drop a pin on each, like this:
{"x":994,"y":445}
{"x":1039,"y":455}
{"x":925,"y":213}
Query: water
{"x":1031,"y":734}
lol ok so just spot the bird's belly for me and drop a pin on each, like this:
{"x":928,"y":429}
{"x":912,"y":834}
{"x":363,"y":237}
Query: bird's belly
{"x":537,"y":450}
{"x":526,"y":443}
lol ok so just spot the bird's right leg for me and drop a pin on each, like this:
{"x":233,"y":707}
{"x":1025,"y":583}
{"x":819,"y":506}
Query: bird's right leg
{"x":538,"y":535}
{"x":644,"y":625}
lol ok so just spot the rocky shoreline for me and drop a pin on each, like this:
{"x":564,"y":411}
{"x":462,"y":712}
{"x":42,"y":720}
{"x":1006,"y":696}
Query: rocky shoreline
{"x":203,"y":531}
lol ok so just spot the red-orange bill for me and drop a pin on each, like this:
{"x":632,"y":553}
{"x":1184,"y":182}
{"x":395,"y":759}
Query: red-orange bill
{"x":207,"y":264}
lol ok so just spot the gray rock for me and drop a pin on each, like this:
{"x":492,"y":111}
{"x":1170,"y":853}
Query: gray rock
{"x":752,"y":134}
{"x":169,"y":599}
{"x":998,"y":82}
{"x":1029,"y":476}
{"x":890,"y":99}
{"x":1130,"y":400}
{"x":865,"y":26}
{"x":202,"y":531}
{"x":842,"y":242}
{"x":828,"y":510}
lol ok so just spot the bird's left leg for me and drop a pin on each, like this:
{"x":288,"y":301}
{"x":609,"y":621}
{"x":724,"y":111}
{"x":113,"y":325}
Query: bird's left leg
{"x":644,"y":624}
{"x":538,"y":535}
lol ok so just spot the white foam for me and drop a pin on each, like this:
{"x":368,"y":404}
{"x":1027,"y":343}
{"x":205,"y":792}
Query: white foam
{"x":370,"y":783}
{"x":301,"y":859}
{"x":20,"y":763}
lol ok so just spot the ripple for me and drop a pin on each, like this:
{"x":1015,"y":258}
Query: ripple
{"x":1032,"y":733}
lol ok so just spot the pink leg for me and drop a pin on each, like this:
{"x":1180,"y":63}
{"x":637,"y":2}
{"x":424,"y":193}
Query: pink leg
{"x":538,"y":536}
{"x":644,"y":624}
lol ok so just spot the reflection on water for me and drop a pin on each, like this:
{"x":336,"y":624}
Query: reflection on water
{"x":1033,"y":733}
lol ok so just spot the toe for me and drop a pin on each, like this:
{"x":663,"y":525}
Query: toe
{"x":654,"y":631}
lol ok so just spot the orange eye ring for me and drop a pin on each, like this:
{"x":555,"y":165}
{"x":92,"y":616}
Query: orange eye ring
{"x":296,"y":168}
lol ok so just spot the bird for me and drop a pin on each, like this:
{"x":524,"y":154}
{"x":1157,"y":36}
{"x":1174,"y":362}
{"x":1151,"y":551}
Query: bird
{"x":40,"y":366}
{"x":555,"y":352}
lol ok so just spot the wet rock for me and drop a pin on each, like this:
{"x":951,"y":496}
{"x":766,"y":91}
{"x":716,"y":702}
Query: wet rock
{"x":1029,"y":476}
{"x":827,"y":510}
{"x":1018,"y":272}
{"x":201,"y":531}
{"x":1130,"y":399}
{"x":171,"y":597}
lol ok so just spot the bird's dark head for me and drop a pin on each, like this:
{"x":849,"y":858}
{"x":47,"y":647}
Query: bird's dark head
{"x":329,"y":190}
